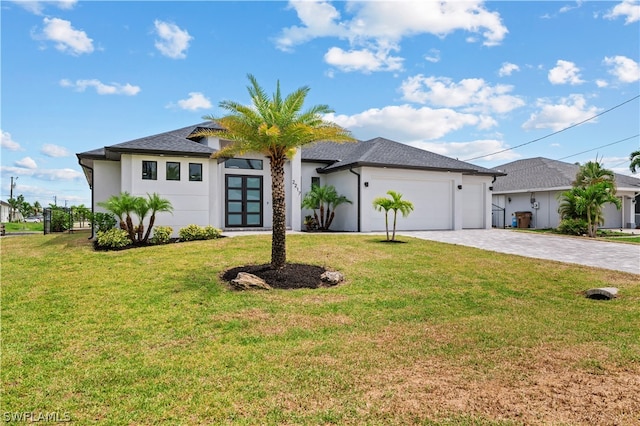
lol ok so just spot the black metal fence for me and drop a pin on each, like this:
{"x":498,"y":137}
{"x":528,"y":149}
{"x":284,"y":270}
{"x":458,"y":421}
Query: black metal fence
{"x":61,"y":219}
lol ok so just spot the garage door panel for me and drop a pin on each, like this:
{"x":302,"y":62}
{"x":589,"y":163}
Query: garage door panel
{"x":432,"y":201}
{"x":472,"y":200}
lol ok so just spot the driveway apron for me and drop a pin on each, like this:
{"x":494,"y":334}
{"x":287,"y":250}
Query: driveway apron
{"x":582,"y":251}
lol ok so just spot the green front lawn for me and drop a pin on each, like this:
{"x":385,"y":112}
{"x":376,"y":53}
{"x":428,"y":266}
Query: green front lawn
{"x":420,"y":333}
{"x":23,"y":226}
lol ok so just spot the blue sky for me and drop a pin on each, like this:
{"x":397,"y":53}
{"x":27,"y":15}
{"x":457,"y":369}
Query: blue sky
{"x":471,"y":80}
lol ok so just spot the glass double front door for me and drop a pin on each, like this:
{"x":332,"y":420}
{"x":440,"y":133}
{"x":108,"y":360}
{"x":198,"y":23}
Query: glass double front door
{"x":243,"y":201}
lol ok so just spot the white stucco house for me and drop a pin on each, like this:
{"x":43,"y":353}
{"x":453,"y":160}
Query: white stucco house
{"x":534,"y":184}
{"x":235,"y":193}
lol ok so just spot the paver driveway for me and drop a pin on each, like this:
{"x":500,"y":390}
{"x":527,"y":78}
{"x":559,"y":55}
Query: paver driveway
{"x":583,"y":251}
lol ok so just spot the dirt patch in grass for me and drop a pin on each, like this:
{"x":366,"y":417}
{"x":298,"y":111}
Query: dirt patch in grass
{"x":292,"y":276}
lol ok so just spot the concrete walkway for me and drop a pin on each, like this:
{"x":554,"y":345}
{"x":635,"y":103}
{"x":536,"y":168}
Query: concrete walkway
{"x":582,"y":251}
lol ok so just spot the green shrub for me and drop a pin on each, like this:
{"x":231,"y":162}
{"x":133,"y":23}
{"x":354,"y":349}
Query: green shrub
{"x":60,"y":220}
{"x":195,"y":232}
{"x":161,"y":234}
{"x":102,"y":222}
{"x":113,"y":238}
{"x":573,"y":227}
{"x":211,"y":233}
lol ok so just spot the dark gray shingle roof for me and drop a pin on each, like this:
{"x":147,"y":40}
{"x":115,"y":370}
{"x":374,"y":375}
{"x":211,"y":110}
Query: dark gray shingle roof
{"x":543,"y":173}
{"x":177,"y":141}
{"x":381,"y":152}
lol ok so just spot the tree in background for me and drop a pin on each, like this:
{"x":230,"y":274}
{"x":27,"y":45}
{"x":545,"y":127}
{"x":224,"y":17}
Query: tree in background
{"x":593,"y":187}
{"x":395,"y":203}
{"x":634,"y":157}
{"x":275,"y":127}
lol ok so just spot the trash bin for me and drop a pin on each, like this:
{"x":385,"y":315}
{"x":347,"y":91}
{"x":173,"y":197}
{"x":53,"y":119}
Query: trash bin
{"x":524,"y":219}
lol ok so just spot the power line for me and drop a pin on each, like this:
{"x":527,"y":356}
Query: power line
{"x":601,"y":146}
{"x":555,"y":133}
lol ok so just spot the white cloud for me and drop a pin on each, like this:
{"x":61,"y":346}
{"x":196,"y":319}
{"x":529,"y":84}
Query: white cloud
{"x":473,"y":149}
{"x":173,"y":41}
{"x":433,"y":56}
{"x":7,"y":142}
{"x":44,"y":174}
{"x":630,"y":9}
{"x":37,"y":7}
{"x":507,"y":69}
{"x":624,"y":69}
{"x":54,"y":151}
{"x":472,"y":94}
{"x":405,"y":123}
{"x":560,"y":115}
{"x":27,"y":163}
{"x":67,"y":39}
{"x":601,"y":83}
{"x":374,"y":28}
{"x":101,"y":88}
{"x":363,"y":60}
{"x":195,"y":101}
{"x":565,"y":72}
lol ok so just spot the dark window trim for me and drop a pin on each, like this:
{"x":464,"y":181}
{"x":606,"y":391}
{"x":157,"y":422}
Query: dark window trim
{"x":243,"y":188}
{"x":167,"y":170}
{"x":191,"y":177}
{"x":244,"y":164}
{"x":154,"y":174}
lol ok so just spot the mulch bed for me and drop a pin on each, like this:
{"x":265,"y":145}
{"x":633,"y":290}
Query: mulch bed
{"x":292,"y":276}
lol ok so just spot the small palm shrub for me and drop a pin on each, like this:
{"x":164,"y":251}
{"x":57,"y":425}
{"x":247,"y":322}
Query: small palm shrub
{"x":161,"y":235}
{"x":194,"y":232}
{"x":113,"y":238}
{"x":573,"y":227}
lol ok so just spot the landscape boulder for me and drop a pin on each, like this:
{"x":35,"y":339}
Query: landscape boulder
{"x":246,"y":281}
{"x":331,"y":278}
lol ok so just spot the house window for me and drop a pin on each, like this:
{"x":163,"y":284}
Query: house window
{"x":173,"y":170}
{"x":195,"y":172}
{"x":150,"y":170}
{"x":243,"y":163}
{"x":315,"y":181}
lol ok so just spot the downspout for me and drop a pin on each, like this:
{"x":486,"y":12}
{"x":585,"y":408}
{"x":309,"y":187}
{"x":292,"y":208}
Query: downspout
{"x":351,"y":170}
{"x":92,"y":198}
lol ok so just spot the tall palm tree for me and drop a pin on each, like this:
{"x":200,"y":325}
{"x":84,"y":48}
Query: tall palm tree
{"x":275,"y":127}
{"x":395,"y":203}
{"x":634,"y":157}
{"x":157,"y":205}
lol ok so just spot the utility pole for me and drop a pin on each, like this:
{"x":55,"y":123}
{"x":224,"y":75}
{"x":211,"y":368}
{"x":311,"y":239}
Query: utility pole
{"x":13,"y":185}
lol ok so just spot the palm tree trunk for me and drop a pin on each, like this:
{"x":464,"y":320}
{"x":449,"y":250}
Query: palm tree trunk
{"x":395,"y":219}
{"x":386,"y":222}
{"x":130,"y":229}
{"x":333,"y":213}
{"x":279,"y":232}
{"x":321,"y":216}
{"x":152,"y":220}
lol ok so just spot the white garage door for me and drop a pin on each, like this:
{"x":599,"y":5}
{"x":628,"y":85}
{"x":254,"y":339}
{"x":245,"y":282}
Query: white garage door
{"x":612,"y":216}
{"x":473,"y":206}
{"x":432,"y":201}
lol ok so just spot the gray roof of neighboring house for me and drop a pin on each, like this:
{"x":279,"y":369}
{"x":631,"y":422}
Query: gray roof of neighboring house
{"x":543,"y":174}
{"x":381,"y":152}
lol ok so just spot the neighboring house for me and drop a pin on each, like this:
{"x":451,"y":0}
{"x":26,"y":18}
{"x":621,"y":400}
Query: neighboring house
{"x":533,"y":185}
{"x":235,"y":193}
{"x":5,"y":211}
